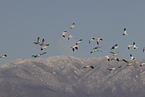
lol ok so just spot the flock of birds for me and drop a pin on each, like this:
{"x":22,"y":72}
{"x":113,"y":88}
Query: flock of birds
{"x":44,"y":45}
{"x":96,"y":49}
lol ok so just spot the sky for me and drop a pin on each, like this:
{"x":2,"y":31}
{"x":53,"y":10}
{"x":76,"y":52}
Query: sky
{"x":22,"y":21}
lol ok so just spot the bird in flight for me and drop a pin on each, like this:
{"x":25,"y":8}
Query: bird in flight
{"x":43,"y":43}
{"x":38,"y":55}
{"x":95,"y":51}
{"x":131,"y":56}
{"x":89,"y":66}
{"x":75,"y":47}
{"x":78,"y":41}
{"x":113,"y":68}
{"x":129,"y":46}
{"x":92,"y":39}
{"x":38,"y":41}
{"x":142,"y":64}
{"x":143,"y":49}
{"x":128,"y":63}
{"x":114,"y":54}
{"x":72,"y":26}
{"x":108,"y":58}
{"x":134,"y":46}
{"x":44,"y":47}
{"x":115,"y":58}
{"x":124,"y":34}
{"x":3,"y":56}
{"x":98,"y":40}
{"x":70,"y":36}
{"x":63,"y":33}
{"x":115,"y":46}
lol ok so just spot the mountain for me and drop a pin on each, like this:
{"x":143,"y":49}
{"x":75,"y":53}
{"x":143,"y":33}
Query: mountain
{"x":63,"y":76}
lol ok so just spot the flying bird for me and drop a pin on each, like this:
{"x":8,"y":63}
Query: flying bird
{"x":142,"y":64}
{"x":38,"y":55}
{"x":95,"y":51}
{"x":113,"y":68}
{"x":79,"y":42}
{"x":75,"y":47}
{"x":97,"y":47}
{"x":44,"y":47}
{"x":115,"y":58}
{"x":129,"y":46}
{"x":92,"y":39}
{"x":124,"y":34}
{"x":3,"y":56}
{"x":72,"y":26}
{"x":38,"y":41}
{"x":98,"y":40}
{"x":114,"y":54}
{"x":43,"y":43}
{"x":107,"y":58}
{"x":63,"y":33}
{"x":128,"y":63}
{"x":134,"y":46}
{"x":89,"y":66}
{"x":143,"y":49}
{"x":131,"y":56}
{"x":115,"y":46}
{"x":70,"y":36}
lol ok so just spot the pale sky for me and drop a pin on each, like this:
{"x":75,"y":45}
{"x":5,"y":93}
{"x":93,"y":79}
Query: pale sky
{"x":22,"y":21}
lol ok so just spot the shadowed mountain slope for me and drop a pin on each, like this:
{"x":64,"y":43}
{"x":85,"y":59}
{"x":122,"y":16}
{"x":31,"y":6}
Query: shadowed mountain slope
{"x":63,"y":76}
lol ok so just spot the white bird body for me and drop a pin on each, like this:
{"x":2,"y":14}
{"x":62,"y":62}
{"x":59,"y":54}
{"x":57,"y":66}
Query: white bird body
{"x":3,"y":56}
{"x":38,"y":55}
{"x":43,"y":43}
{"x":38,"y":41}
{"x":134,"y":46}
{"x":98,"y":40}
{"x":92,"y":39}
{"x":43,"y":47}
{"x":131,"y":56}
{"x":70,"y":36}
{"x":115,"y":46}
{"x":78,"y":41}
{"x":124,"y":34}
{"x":129,"y":46}
{"x":108,"y":58}
{"x":72,"y":26}
{"x":63,"y":33}
{"x":89,"y":66}
{"x":142,"y":64}
{"x":75,"y":47}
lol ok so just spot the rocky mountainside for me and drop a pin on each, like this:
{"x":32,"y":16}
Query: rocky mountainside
{"x":63,"y":76}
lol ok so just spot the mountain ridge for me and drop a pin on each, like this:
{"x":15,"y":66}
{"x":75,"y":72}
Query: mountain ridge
{"x":63,"y":76}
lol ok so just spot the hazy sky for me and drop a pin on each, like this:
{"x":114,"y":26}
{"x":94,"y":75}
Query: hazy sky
{"x":22,"y":21}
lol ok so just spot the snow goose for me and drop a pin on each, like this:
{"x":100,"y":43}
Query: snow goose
{"x":128,"y":63}
{"x":131,"y":56}
{"x":75,"y":47}
{"x":92,"y":39}
{"x":124,"y":34}
{"x":63,"y":33}
{"x":98,"y":40}
{"x":78,"y":41}
{"x":134,"y":46}
{"x":72,"y":26}
{"x":38,"y":55}
{"x":3,"y":56}
{"x":43,"y":43}
{"x":89,"y":66}
{"x":38,"y":41}
{"x":115,"y":46}
{"x":70,"y":36}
